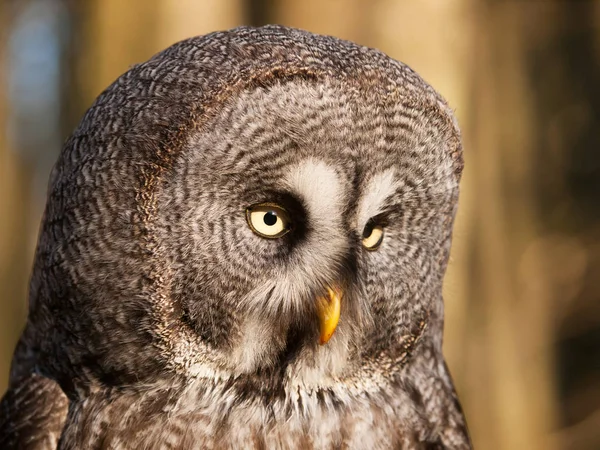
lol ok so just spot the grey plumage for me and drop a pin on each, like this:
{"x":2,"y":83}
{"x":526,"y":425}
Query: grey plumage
{"x":168,"y":323}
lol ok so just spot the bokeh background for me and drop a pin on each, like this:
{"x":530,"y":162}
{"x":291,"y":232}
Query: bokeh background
{"x":523,"y":290}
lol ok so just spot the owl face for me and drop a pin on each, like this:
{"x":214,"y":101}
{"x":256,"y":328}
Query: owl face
{"x":248,"y":202}
{"x":304,"y":201}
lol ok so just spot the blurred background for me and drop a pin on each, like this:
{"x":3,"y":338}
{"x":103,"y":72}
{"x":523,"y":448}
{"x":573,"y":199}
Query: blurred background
{"x":523,"y":290}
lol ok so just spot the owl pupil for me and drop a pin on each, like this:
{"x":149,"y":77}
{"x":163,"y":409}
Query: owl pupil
{"x":270,"y":218}
{"x":368,"y":229}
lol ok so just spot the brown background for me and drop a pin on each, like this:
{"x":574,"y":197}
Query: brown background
{"x":523,"y":289}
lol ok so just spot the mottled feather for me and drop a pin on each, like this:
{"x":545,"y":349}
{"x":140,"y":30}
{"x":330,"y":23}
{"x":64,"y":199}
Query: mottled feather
{"x":168,"y":323}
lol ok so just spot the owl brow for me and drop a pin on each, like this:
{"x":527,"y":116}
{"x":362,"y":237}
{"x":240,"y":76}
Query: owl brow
{"x":386,"y":207}
{"x":266,"y":194}
{"x":377,"y":195}
{"x":386,"y":211}
{"x":396,"y":201}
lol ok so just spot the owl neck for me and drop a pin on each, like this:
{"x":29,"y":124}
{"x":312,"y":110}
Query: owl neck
{"x":348,"y":361}
{"x":338,"y":367}
{"x":267,"y":405}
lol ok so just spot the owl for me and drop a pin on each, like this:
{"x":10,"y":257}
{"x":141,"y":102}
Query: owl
{"x":243,"y":246}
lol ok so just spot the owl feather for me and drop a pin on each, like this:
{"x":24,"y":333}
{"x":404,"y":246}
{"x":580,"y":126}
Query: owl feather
{"x":243,"y":246}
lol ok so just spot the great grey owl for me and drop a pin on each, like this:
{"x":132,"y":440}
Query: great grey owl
{"x":243,"y":246}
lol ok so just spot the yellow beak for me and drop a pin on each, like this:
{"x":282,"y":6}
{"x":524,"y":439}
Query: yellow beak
{"x":328,"y":310}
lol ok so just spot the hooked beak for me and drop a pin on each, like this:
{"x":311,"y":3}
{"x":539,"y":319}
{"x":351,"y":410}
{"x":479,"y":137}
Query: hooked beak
{"x":328,"y":310}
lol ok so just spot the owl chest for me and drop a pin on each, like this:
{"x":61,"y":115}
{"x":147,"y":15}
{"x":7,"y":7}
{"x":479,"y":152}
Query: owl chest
{"x":134,"y":425}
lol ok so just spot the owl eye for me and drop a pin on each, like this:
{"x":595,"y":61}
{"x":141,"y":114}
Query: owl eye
{"x":268,"y":220}
{"x":372,"y":235}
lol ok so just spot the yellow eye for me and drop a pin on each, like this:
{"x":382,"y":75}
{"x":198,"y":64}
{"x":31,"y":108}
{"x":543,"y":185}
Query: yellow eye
{"x":268,"y":220}
{"x":372,"y":236}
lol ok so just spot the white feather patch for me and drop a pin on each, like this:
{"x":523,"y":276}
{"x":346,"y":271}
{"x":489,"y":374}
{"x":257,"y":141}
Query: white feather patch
{"x":378,"y":190}
{"x":320,"y":188}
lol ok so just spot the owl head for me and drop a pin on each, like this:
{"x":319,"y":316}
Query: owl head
{"x":248,"y":202}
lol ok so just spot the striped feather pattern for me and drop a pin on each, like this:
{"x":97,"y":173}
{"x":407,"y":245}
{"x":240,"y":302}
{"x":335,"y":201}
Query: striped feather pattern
{"x":168,"y":323}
